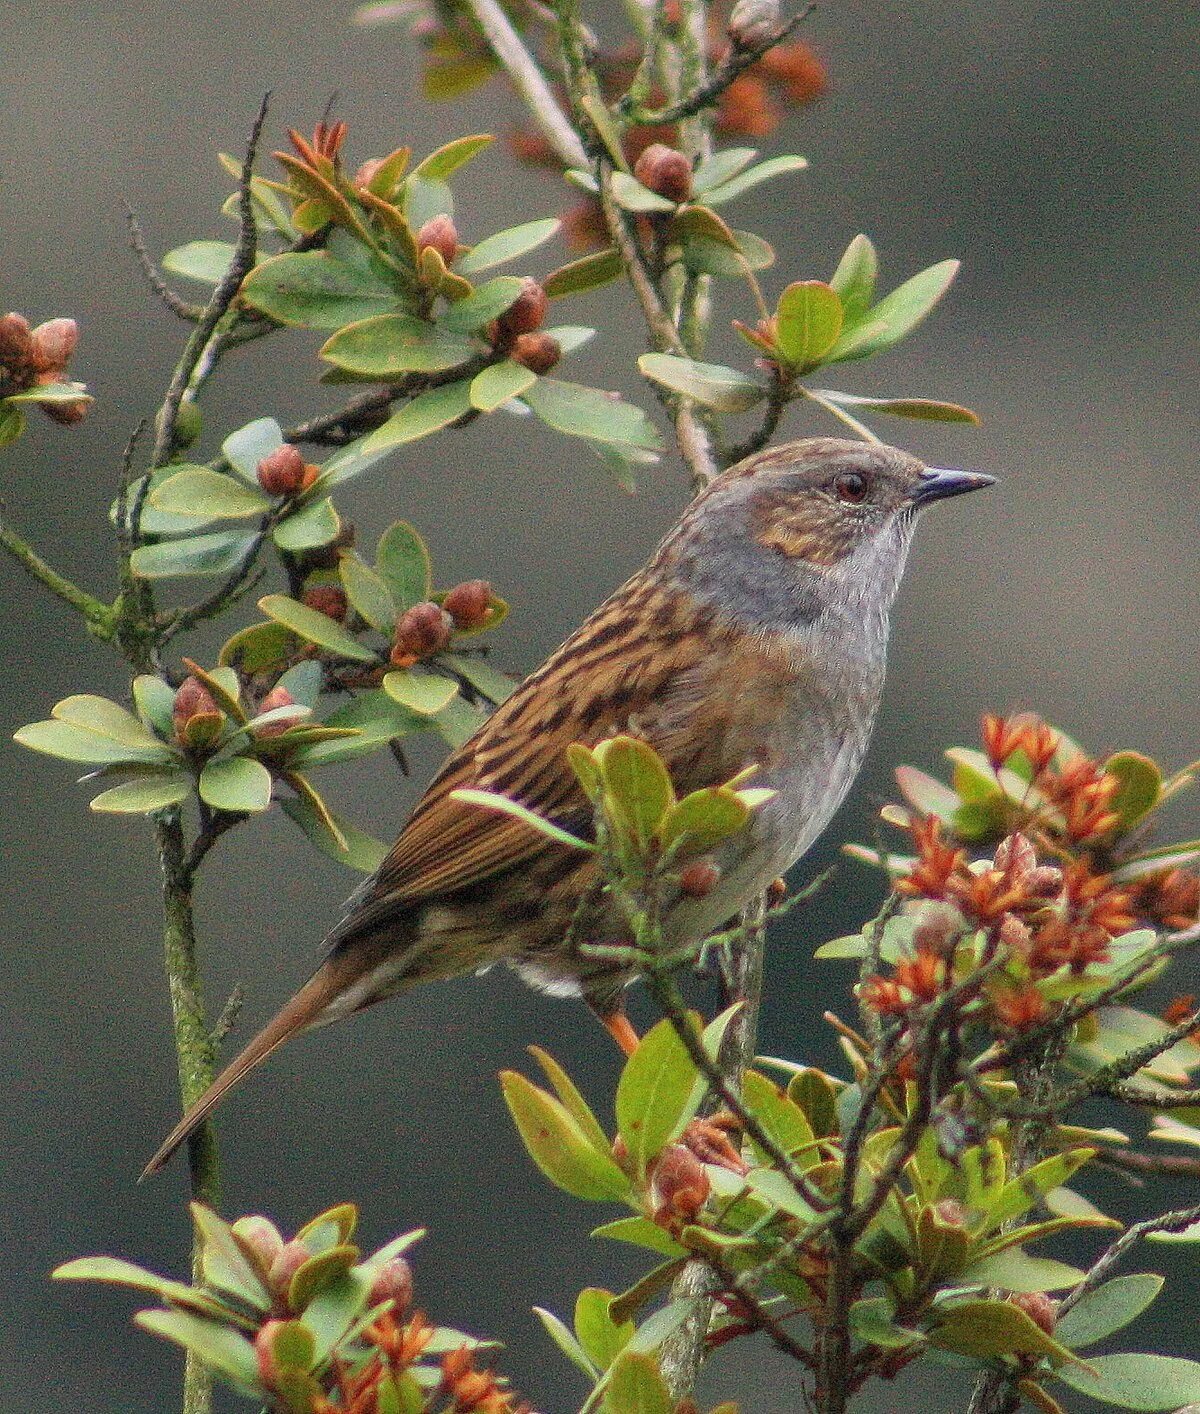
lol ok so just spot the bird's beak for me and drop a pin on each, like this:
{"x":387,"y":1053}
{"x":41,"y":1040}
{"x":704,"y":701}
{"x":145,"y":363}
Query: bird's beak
{"x":936,"y":483}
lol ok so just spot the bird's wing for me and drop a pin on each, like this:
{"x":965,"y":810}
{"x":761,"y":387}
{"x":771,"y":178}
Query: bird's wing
{"x":632,"y":666}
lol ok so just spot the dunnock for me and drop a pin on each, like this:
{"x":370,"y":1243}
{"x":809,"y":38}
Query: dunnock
{"x":756,"y":635}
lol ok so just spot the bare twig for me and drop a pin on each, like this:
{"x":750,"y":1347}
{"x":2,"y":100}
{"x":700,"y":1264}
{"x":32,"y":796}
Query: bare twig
{"x":528,"y":80}
{"x":192,"y":313}
{"x":1174,"y":1221}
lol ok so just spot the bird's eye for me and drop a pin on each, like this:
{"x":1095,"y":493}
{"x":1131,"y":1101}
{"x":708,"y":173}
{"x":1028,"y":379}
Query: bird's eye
{"x":850,"y":488}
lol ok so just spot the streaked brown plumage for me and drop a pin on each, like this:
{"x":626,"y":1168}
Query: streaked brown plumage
{"x":755,"y":635}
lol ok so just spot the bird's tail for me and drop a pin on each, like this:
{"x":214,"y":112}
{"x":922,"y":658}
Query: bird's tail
{"x":311,"y":1006}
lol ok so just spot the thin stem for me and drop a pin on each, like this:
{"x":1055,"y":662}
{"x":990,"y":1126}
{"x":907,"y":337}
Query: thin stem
{"x":100,"y":618}
{"x":528,"y":80}
{"x":218,"y":305}
{"x":193,"y":1044}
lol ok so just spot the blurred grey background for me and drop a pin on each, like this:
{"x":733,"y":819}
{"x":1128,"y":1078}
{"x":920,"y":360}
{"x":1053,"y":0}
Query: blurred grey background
{"x":1052,"y":146}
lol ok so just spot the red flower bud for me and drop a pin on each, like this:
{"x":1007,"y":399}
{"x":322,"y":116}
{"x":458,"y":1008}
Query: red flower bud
{"x":261,"y":1238}
{"x":327,"y":599}
{"x":679,"y":1187}
{"x":439,"y":234}
{"x":538,"y":352}
{"x":1040,"y":1309}
{"x":278,"y":697}
{"x":797,"y":71}
{"x":53,"y":344}
{"x":288,"y":1261}
{"x":526,"y":313}
{"x":950,"y":1212}
{"x":699,"y":880}
{"x":264,"y":1352}
{"x":776,"y":892}
{"x":68,"y":413}
{"x":366,"y":173}
{"x":16,"y":346}
{"x":422,"y":630}
{"x":282,"y":472}
{"x":469,"y":604}
{"x":393,"y":1282}
{"x":666,"y":171}
{"x":195,"y":715}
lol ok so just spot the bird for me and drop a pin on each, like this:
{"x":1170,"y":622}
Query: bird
{"x":755,"y":636}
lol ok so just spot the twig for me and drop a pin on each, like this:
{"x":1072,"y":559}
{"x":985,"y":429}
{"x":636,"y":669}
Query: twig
{"x":100,"y":617}
{"x":709,"y":93}
{"x":192,"y":313}
{"x":218,"y":305}
{"x":528,"y":80}
{"x":1131,"y":1161}
{"x":777,"y":401}
{"x":1174,"y":1221}
{"x":239,"y":583}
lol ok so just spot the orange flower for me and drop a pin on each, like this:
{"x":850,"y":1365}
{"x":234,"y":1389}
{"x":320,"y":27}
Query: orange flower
{"x":937,"y":862}
{"x":1018,"y":1008}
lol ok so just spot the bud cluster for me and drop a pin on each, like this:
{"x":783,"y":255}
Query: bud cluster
{"x":518,"y":331}
{"x":38,"y":357}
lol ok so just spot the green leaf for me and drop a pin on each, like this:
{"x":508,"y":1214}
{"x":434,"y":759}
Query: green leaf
{"x":854,"y":279}
{"x":308,"y":528}
{"x":48,"y":394}
{"x":292,"y":1344}
{"x":119,"y":1273}
{"x":484,"y":303}
{"x":589,"y":412}
{"x":496,"y":686}
{"x":239,"y":784}
{"x":356,"y":849}
{"x":752,"y":177}
{"x":641,"y":1232}
{"x":498,"y":383}
{"x":576,"y":1106}
{"x":986,"y":1330}
{"x":901,"y":311}
{"x":197,"y":491}
{"x":808,"y":321}
{"x":507,"y":245}
{"x":628,"y":192}
{"x":589,"y":272}
{"x":219,"y":553}
{"x":388,"y":345}
{"x":490,"y":800}
{"x":99,"y":714}
{"x":459,"y":722}
{"x":72,"y":743}
{"x":423,"y":693}
{"x":782,"y":1118}
{"x":558,"y":1146}
{"x":1020,"y":1194}
{"x":704,"y":819}
{"x":315,"y":290}
{"x":427,"y":413}
{"x":635,"y":1387}
{"x":922,"y":409}
{"x":1108,"y":1309}
{"x":246,"y":447}
{"x":1139,"y":786}
{"x":778,"y":1191}
{"x":570,"y":337}
{"x":1137,"y":1381}
{"x":225,"y":1351}
{"x":724,"y":389}
{"x":1015,"y":1270}
{"x":639,"y":791}
{"x":12,"y":422}
{"x":453,"y":155}
{"x":259,"y":648}
{"x":322,"y":1269}
{"x":145,"y":794}
{"x":445,"y":79}
{"x":223,"y":1263}
{"x":315,"y":627}
{"x":424,"y":198}
{"x":206,"y":261}
{"x":561,"y":1335}
{"x":705,"y":256}
{"x":368,"y":592}
{"x":402,"y":559}
{"x":872,"y":1322}
{"x":655,"y":1095}
{"x":155,"y":702}
{"x":720,"y":167}
{"x":600,"y":1336}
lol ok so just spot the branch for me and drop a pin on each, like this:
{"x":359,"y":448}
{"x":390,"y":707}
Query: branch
{"x":1129,"y":1160}
{"x":528,"y":80}
{"x":218,"y":305}
{"x":1174,"y":1221}
{"x":101,"y":620}
{"x":192,"y":313}
{"x":708,"y":94}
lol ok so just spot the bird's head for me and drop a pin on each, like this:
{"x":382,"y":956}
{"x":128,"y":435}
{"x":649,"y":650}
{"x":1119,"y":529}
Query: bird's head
{"x":798,"y":527}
